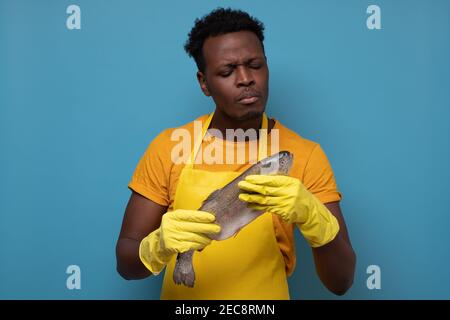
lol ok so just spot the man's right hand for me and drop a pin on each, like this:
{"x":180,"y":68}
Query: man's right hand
{"x":180,"y":231}
{"x":184,"y":230}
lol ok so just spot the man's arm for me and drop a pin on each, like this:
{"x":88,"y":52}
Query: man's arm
{"x":142,"y":216}
{"x":335,"y":261}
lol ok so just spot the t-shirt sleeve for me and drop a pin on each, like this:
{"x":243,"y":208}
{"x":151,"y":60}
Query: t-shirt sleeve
{"x":151,"y":176}
{"x":319,"y":177}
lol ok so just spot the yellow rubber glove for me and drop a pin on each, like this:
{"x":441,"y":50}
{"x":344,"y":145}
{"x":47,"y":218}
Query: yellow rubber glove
{"x":180,"y":231}
{"x":289,"y":198}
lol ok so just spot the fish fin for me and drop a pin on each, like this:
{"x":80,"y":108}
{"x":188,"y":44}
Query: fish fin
{"x":184,"y":270}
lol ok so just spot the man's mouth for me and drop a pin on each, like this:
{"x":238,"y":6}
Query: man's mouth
{"x":248,"y":97}
{"x":249,"y":100}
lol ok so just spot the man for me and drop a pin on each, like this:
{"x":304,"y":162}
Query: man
{"x":162,"y":217}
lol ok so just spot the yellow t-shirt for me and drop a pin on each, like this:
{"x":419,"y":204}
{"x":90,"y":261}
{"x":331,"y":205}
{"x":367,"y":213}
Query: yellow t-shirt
{"x":156,"y":175}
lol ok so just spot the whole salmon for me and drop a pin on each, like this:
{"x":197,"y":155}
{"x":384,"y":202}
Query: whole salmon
{"x":231,"y":213}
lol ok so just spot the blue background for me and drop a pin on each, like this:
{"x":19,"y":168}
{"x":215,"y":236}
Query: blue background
{"x":79,"y":107}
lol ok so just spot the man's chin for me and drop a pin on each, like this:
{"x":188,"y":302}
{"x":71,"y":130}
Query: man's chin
{"x":240,"y":113}
{"x":251,"y":114}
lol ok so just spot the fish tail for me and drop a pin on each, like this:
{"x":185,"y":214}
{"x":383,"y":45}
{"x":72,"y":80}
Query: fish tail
{"x":184,"y":270}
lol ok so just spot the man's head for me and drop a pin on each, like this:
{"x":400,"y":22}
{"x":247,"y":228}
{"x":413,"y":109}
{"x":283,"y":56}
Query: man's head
{"x":227,"y":46}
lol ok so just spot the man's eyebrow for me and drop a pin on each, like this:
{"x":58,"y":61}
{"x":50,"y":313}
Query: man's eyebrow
{"x":234,"y":64}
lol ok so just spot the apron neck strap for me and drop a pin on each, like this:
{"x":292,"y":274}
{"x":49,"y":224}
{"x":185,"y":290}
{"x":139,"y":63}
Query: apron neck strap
{"x":262,"y":141}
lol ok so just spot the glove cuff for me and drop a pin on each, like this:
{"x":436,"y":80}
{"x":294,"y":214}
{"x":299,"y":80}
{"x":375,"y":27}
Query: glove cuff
{"x":151,"y":255}
{"x":321,"y":227}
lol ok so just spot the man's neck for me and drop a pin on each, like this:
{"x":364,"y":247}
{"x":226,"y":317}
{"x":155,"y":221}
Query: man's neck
{"x":222,"y":122}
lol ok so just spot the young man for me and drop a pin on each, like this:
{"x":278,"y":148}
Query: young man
{"x":162,"y":217}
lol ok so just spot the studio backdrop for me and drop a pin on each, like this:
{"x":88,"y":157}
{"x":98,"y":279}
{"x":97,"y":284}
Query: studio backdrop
{"x":86,"y":85}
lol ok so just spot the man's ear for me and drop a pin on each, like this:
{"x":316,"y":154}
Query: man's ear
{"x":202,"y":82}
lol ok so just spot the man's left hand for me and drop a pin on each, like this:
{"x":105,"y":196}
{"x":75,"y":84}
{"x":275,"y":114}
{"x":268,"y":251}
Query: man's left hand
{"x":283,"y":195}
{"x":289,"y":198}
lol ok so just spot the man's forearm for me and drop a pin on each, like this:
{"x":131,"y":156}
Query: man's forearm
{"x":129,"y":264}
{"x":335,"y":264}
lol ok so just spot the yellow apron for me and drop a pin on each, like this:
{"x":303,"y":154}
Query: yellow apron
{"x":247,"y":266}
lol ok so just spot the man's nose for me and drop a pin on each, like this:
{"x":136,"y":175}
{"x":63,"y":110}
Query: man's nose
{"x":244,"y":77}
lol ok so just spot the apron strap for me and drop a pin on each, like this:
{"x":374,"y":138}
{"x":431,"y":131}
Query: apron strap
{"x":198,"y":141}
{"x":262,"y":144}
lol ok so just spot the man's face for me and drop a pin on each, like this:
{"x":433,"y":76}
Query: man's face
{"x":236,"y":74}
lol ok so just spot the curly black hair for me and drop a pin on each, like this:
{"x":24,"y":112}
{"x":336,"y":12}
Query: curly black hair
{"x":217,"y":22}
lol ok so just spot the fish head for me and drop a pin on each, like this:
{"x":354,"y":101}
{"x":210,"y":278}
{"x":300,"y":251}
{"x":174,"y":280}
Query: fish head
{"x":279,"y":163}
